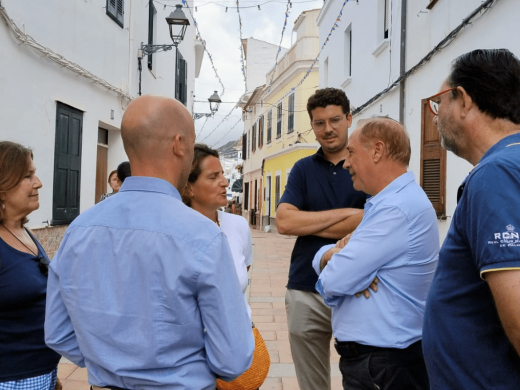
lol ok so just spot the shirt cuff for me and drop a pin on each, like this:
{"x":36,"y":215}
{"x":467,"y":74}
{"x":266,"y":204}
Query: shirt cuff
{"x":317,"y":258}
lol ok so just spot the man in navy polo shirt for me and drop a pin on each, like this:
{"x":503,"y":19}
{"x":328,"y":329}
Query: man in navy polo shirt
{"x":320,"y":206}
{"x":471,"y":334}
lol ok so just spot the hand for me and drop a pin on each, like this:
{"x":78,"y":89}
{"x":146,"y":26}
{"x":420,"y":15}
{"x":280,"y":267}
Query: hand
{"x":373,"y":287}
{"x":327,"y":256}
{"x":343,"y":242}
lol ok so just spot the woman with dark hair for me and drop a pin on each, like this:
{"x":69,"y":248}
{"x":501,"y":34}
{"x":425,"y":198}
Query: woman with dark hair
{"x":206,"y":193}
{"x":114,"y":183}
{"x":25,"y":361}
{"x":123,"y":171}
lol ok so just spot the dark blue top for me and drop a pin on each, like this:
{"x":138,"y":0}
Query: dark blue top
{"x":23,"y":289}
{"x":316,"y":184}
{"x":465,"y":346}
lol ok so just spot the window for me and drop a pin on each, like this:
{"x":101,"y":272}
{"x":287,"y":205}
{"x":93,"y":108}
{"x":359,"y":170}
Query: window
{"x":101,"y":164}
{"x":244,"y":146}
{"x":277,"y":187}
{"x":348,"y":51}
{"x":261,"y":132}
{"x":253,"y":138}
{"x":248,"y":142}
{"x":246,"y":196}
{"x":386,"y":25}
{"x":433,"y":162}
{"x":279,"y":113}
{"x":115,"y":9}
{"x":152,"y":15}
{"x":67,"y":165}
{"x":269,"y":125}
{"x":290,"y":117}
{"x":181,"y":80}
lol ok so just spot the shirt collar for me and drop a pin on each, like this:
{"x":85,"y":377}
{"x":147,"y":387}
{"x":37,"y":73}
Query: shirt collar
{"x":395,"y":186}
{"x":503,"y":143}
{"x":149,"y":184}
{"x":319,"y":155}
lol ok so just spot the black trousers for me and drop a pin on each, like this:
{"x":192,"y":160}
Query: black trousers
{"x":364,"y":367}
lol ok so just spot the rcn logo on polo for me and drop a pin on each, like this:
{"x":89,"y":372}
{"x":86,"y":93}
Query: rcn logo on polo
{"x":510,"y":234}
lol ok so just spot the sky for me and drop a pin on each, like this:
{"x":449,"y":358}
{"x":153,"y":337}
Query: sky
{"x":221,"y":31}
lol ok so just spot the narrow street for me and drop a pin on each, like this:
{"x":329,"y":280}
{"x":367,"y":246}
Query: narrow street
{"x":268,"y":276}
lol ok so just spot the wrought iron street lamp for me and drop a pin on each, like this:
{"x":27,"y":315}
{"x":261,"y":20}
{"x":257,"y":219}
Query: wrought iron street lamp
{"x":177,"y":23}
{"x":214,"y":103}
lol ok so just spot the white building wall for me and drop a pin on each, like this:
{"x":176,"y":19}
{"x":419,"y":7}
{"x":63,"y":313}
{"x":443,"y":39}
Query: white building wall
{"x":31,"y":84}
{"x":260,"y":57}
{"x":375,"y":63}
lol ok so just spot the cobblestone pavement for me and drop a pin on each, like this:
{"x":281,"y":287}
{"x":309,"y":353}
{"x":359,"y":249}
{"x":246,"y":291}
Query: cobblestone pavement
{"x":268,"y":276}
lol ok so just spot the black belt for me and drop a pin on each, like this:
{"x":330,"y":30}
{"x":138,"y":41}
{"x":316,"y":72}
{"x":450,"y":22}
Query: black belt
{"x":351,"y":349}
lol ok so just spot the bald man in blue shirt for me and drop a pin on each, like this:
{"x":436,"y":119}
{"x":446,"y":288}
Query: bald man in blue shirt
{"x":396,"y":244}
{"x":143,"y":290}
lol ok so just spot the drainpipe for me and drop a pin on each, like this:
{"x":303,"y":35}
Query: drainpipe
{"x":402,"y":65}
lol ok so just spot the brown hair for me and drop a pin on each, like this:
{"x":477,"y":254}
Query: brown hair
{"x":201,"y":152}
{"x":391,"y":133}
{"x":114,"y":172}
{"x":14,"y":164}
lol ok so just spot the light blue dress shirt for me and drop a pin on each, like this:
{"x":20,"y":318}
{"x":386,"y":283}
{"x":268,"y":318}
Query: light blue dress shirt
{"x":143,"y":292}
{"x":397,"y":241}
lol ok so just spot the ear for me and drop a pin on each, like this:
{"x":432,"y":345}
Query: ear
{"x":189,"y":191}
{"x":467,"y":101}
{"x":349,"y":119}
{"x":378,"y":151}
{"x":178,"y":146}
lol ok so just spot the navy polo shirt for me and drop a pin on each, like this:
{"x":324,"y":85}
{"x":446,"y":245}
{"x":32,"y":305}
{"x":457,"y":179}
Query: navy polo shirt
{"x":465,"y":346}
{"x":315,"y":184}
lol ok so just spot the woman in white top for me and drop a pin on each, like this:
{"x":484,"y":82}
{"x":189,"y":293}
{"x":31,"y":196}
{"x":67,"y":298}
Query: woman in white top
{"x":206,"y":193}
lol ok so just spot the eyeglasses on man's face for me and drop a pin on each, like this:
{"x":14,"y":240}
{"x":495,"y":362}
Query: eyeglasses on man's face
{"x":320,"y":124}
{"x":433,"y":105}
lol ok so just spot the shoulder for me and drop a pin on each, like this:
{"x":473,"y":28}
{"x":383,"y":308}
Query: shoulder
{"x":412,"y":201}
{"x":233,"y":220}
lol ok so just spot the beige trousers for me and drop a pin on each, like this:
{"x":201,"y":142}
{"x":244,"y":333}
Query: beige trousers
{"x":310,"y":332}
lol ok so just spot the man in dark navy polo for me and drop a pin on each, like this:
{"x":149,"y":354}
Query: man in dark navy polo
{"x":320,"y":206}
{"x":471,"y":333}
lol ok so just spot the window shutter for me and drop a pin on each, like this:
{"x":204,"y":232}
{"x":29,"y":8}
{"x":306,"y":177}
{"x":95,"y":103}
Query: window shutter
{"x":244,"y":146}
{"x":181,"y":79}
{"x":67,"y":165}
{"x":115,"y":9}
{"x":433,"y":162}
{"x":151,"y":14}
{"x":261,"y":132}
{"x":253,"y":138}
{"x":290,"y":120}
{"x":269,"y":126}
{"x":120,"y":11}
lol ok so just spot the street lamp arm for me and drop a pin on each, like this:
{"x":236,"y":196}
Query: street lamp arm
{"x":150,"y":49}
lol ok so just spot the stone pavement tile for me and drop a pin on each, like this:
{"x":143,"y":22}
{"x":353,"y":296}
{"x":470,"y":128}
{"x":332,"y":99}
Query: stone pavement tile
{"x":273,"y":355}
{"x":267,"y":299}
{"x":269,"y":312}
{"x":290,"y":384}
{"x":285,"y":356}
{"x":269,"y":335}
{"x":65,"y":369}
{"x":336,"y":383}
{"x":280,"y":318}
{"x":272,"y":384}
{"x":260,"y":294}
{"x":280,"y":304}
{"x":69,"y":384}
{"x":281,"y":370}
{"x":271,"y":326}
{"x":256,"y":319}
{"x":282,"y":335}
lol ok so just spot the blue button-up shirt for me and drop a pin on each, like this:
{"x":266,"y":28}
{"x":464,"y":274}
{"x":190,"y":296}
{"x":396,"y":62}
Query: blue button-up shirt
{"x":397,"y":241}
{"x":144,"y":293}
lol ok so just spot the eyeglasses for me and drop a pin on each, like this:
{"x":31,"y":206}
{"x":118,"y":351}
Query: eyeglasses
{"x":433,"y":105}
{"x":43,"y":264}
{"x":320,"y":124}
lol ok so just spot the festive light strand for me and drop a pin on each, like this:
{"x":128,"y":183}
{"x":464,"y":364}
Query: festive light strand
{"x":222,"y":121}
{"x":243,"y":64}
{"x":224,"y":136}
{"x":199,"y":38}
{"x":279,"y":48}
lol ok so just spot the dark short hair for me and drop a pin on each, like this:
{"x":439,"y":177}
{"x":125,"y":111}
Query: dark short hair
{"x":327,"y":97}
{"x":201,"y":151}
{"x":492,"y":79}
{"x":392,"y":133}
{"x":123,"y":171}
{"x":114,"y":172}
{"x":14,"y":164}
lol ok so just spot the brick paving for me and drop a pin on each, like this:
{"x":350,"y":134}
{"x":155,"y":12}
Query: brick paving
{"x":268,"y":276}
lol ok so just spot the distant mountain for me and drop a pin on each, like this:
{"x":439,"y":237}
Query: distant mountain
{"x":228,"y":150}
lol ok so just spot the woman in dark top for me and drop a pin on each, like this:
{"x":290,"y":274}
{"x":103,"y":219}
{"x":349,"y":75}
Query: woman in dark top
{"x":25,"y":361}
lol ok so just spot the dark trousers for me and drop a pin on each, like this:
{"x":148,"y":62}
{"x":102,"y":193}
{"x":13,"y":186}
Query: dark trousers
{"x":364,"y":367}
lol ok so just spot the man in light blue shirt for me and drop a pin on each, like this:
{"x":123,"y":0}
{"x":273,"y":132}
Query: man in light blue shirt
{"x":143,"y":290}
{"x":396,"y":245}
